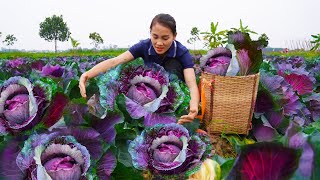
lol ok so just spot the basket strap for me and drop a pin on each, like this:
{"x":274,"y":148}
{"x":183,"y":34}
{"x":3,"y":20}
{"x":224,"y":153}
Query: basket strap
{"x":204,"y":83}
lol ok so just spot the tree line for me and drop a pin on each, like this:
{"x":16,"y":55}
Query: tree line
{"x":55,"y":29}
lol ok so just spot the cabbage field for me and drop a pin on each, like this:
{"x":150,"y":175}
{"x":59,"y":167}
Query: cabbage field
{"x":126,"y":127}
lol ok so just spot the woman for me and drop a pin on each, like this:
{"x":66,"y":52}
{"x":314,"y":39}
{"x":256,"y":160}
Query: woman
{"x":163,"y":49}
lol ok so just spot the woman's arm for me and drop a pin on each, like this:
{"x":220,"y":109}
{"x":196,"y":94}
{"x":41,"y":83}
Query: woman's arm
{"x":102,"y":67}
{"x":190,"y":78}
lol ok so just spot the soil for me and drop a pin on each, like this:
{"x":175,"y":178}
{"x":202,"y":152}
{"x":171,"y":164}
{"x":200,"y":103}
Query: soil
{"x":222,"y":147}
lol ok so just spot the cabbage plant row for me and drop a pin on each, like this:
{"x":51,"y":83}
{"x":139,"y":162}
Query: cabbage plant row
{"x":127,"y":126}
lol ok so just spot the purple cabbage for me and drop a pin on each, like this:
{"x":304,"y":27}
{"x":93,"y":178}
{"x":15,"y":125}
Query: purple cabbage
{"x":267,"y":160}
{"x":239,"y":39}
{"x":15,"y":63}
{"x":64,"y":154}
{"x":143,"y":91}
{"x":249,"y":52}
{"x":244,"y":61}
{"x":282,"y":93}
{"x":21,"y":105}
{"x":313,"y":104}
{"x":167,"y":149}
{"x":300,"y":83}
{"x":54,"y":71}
{"x":216,"y":61}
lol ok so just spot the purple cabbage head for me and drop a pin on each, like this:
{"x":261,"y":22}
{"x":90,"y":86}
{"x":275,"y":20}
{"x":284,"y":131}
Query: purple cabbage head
{"x":21,"y":105}
{"x":38,"y":65}
{"x":15,"y":63}
{"x":167,"y":149}
{"x":64,"y":154}
{"x":17,"y":67}
{"x":54,"y":71}
{"x":216,"y":61}
{"x":144,"y":93}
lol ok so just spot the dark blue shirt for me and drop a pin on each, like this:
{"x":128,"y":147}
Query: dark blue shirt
{"x":145,"y":50}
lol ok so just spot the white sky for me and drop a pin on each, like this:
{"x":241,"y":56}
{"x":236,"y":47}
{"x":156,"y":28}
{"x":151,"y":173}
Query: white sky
{"x":125,"y":22}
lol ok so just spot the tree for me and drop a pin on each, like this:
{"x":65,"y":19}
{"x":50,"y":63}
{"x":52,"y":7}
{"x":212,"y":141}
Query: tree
{"x":194,"y":37}
{"x":53,"y":28}
{"x":10,"y":40}
{"x":74,"y":43}
{"x":96,"y":39}
{"x":316,"y":42}
{"x":213,"y":38}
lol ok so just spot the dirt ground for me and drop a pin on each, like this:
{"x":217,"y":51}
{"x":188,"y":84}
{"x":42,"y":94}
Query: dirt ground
{"x":222,"y":146}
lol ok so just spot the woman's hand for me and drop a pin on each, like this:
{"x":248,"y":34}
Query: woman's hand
{"x":190,"y":78}
{"x":193,"y":112}
{"x":82,"y":84}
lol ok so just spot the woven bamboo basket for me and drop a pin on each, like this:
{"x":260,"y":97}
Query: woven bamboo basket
{"x":228,"y":102}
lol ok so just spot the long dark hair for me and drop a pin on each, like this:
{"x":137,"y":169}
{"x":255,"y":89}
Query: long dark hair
{"x":165,"y":20}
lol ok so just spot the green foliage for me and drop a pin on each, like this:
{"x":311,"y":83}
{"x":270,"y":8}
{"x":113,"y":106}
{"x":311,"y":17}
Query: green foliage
{"x":54,"y":29}
{"x":74,"y":43}
{"x":316,"y":42}
{"x":194,"y":37}
{"x":308,"y":55}
{"x":192,"y":126}
{"x":96,"y":39}
{"x":9,"y":40}
{"x":123,"y":173}
{"x":237,"y":141}
{"x":315,"y":141}
{"x":198,"y":52}
{"x":243,"y":29}
{"x":264,"y":40}
{"x":214,"y":38}
{"x":226,"y":167}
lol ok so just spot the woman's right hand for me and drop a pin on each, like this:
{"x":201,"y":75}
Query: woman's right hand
{"x":82,"y":84}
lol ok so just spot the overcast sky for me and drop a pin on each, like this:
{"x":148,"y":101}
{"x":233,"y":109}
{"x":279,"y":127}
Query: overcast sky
{"x":125,"y":22}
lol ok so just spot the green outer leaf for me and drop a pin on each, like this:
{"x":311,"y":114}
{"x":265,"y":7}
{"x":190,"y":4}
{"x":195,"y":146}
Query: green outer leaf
{"x":226,"y":167}
{"x":180,"y":94}
{"x":124,"y":173}
{"x":192,"y":171}
{"x":48,"y":85}
{"x":183,"y":108}
{"x":125,"y":133}
{"x":70,"y":85}
{"x":121,"y":104}
{"x":193,"y":126}
{"x":112,"y":75}
{"x":315,"y":143}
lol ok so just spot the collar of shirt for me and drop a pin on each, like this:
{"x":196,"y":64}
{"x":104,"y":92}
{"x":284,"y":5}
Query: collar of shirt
{"x":172,"y":51}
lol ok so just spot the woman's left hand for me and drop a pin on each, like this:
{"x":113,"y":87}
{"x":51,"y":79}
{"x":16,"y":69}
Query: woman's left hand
{"x":193,"y":112}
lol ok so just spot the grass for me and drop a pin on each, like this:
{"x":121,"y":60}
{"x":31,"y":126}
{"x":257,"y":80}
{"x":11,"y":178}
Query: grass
{"x":38,"y":55}
{"x":305,"y":54}
{"x":115,"y":52}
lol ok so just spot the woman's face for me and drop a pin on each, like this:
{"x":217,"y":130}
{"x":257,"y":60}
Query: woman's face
{"x":161,"y":38}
